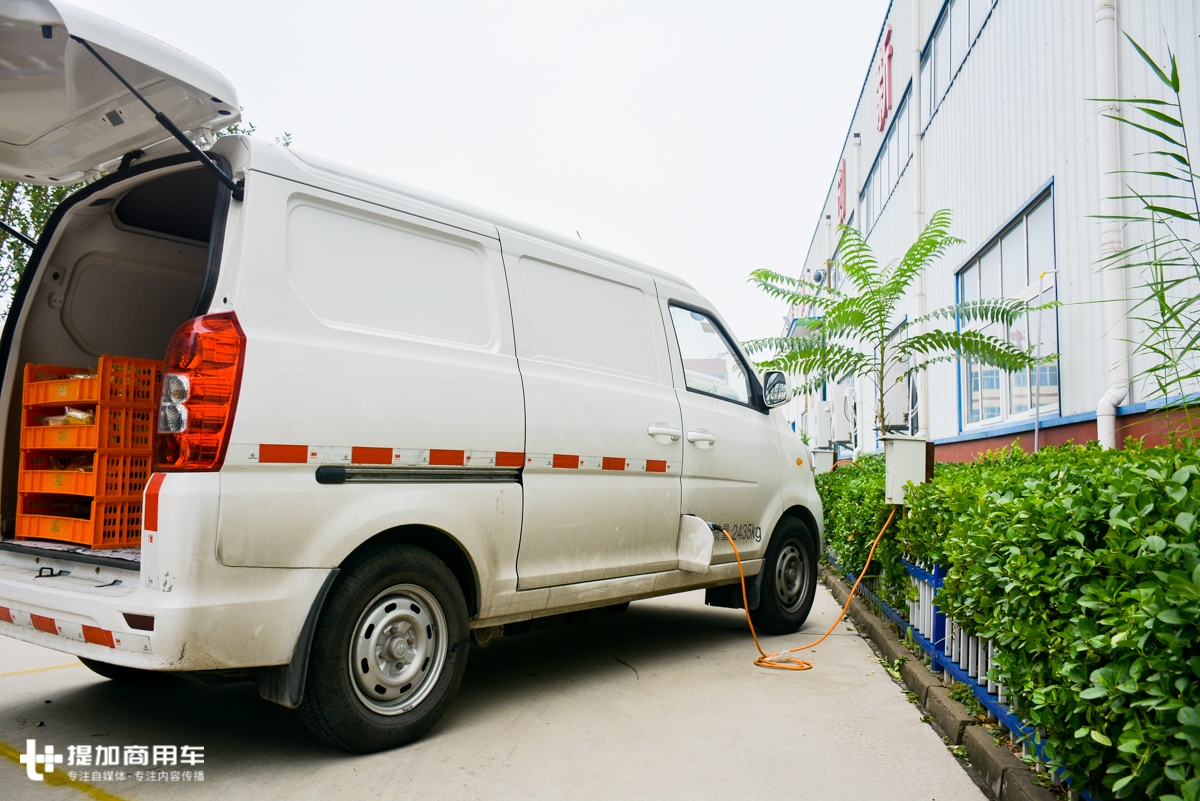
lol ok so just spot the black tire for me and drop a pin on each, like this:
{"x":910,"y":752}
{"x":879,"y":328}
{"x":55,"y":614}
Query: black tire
{"x":400,"y":616}
{"x":789,"y":581}
{"x":125,"y":675}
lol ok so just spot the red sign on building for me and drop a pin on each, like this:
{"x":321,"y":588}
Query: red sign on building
{"x":841,"y":192}
{"x":883,"y":80}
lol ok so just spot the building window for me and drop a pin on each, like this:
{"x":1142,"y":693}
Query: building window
{"x":955,"y":35}
{"x":1017,"y":263}
{"x":888,"y":167}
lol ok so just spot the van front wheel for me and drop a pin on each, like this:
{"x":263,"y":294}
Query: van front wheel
{"x":388,"y":653}
{"x":789,"y":581}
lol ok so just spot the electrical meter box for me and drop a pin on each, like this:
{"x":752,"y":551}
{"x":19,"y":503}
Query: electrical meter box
{"x":841,"y":400}
{"x":823,"y":419}
{"x":907,"y":459}
{"x":822,"y":460}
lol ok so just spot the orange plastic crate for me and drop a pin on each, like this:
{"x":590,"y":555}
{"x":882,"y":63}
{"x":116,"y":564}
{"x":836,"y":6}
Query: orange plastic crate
{"x":113,"y":475}
{"x":118,"y":429}
{"x":113,"y":522}
{"x":118,"y":380}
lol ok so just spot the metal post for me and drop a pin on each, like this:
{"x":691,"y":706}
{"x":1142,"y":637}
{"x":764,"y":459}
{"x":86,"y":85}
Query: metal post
{"x":939,"y":620}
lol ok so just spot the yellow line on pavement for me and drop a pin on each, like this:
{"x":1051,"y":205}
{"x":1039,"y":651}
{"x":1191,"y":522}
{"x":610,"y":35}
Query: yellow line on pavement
{"x":59,"y":779}
{"x":39,"y":670}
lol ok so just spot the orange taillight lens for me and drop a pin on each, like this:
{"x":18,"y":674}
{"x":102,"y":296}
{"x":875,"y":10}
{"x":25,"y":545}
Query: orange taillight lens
{"x":201,"y":379}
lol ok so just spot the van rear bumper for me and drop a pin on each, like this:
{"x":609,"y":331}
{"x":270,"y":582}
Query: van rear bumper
{"x":234,"y":618}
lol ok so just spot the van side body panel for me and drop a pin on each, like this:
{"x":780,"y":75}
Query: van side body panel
{"x":601,"y":493}
{"x":375,"y":337}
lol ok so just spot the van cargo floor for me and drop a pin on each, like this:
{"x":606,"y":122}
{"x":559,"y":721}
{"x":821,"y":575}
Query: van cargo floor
{"x":128,"y":558}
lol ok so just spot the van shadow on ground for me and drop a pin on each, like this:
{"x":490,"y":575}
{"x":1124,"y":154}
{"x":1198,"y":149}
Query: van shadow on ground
{"x":242,"y":732}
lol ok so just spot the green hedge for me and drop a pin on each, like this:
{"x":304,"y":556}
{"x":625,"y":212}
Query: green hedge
{"x":1083,"y":565}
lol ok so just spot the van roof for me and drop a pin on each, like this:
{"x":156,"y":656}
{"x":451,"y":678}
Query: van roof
{"x":294,"y":165}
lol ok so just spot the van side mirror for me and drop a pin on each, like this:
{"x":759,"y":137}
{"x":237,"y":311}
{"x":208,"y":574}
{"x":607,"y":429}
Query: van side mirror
{"x":777,"y":389}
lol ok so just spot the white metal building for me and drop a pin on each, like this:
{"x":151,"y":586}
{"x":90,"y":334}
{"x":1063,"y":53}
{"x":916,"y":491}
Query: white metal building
{"x":987,"y":108}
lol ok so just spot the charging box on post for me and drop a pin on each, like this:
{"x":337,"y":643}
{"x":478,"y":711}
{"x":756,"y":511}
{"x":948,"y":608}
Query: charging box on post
{"x":907,"y":459}
{"x":822,"y":460}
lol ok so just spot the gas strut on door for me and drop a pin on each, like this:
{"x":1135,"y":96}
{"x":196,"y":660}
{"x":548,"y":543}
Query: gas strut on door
{"x":13,"y":232}
{"x":235,"y":187}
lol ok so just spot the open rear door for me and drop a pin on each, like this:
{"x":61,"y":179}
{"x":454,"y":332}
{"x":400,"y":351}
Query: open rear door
{"x":65,"y":113}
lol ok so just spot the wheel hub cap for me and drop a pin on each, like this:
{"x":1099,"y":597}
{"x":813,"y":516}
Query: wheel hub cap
{"x":791,"y":577}
{"x":398,"y":649}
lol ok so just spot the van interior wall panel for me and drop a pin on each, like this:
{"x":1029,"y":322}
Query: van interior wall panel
{"x":109,"y":288}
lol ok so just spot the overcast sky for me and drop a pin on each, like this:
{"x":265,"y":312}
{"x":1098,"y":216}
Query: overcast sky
{"x":698,"y":137}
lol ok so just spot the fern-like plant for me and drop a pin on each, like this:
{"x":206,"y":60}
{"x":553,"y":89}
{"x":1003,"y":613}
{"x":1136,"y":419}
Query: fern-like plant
{"x":859,"y":332}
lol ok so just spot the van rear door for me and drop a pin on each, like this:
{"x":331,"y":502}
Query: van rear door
{"x":66,"y":114}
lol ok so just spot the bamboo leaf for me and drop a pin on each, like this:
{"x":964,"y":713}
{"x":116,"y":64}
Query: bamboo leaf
{"x":1134,"y":100}
{"x":1151,"y":131}
{"x":1158,"y":115}
{"x":1162,"y":76}
{"x":1178,"y":157}
{"x":1183,"y":215}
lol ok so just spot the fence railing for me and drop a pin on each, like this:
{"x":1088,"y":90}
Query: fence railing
{"x":963,"y":657}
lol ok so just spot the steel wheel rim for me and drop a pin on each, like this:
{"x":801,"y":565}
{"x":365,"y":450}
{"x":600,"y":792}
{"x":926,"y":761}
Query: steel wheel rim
{"x":791,"y":576}
{"x":398,"y":649}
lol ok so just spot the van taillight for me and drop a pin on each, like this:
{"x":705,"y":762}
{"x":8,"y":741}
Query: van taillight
{"x":201,"y":379}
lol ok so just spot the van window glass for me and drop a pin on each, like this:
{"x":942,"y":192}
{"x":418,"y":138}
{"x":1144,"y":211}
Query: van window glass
{"x":177,"y":204}
{"x":710,"y":364}
{"x":584,"y":319}
{"x":383,"y":275}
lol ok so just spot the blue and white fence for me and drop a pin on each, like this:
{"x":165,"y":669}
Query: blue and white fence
{"x":963,"y":657}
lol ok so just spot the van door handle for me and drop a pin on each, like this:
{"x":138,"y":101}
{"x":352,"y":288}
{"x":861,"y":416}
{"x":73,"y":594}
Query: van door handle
{"x":663,"y":432}
{"x":701,"y":438}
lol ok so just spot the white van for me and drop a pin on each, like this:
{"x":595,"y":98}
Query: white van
{"x":388,"y":421}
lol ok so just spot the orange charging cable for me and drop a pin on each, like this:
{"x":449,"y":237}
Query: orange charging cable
{"x":782,"y":659}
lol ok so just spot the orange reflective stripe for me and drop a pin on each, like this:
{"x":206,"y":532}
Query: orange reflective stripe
{"x":283,"y":454}
{"x":446,"y":458}
{"x":509,"y":459}
{"x":371,"y":455}
{"x":150,"y":509}
{"x":98,"y":636}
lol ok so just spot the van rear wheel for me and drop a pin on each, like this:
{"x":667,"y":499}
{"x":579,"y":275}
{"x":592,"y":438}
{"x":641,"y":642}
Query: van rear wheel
{"x":789,"y":581}
{"x":388,"y":653}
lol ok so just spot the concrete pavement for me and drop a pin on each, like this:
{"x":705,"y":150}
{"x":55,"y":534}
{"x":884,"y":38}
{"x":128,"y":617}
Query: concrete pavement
{"x":661,"y":702}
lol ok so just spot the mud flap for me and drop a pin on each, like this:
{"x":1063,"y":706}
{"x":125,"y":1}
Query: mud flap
{"x":730,"y":595}
{"x":284,"y":684}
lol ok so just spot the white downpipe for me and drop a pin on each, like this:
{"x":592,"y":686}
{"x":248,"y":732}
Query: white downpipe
{"x":860,"y":434}
{"x":914,"y":116}
{"x":1111,"y":242}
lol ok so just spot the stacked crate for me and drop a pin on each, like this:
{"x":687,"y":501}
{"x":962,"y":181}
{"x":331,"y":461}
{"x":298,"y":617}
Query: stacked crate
{"x":100,"y":508}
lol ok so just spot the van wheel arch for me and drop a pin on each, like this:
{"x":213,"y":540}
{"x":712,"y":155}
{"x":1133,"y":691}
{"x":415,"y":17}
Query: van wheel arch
{"x":806,"y":517}
{"x":438,"y":543}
